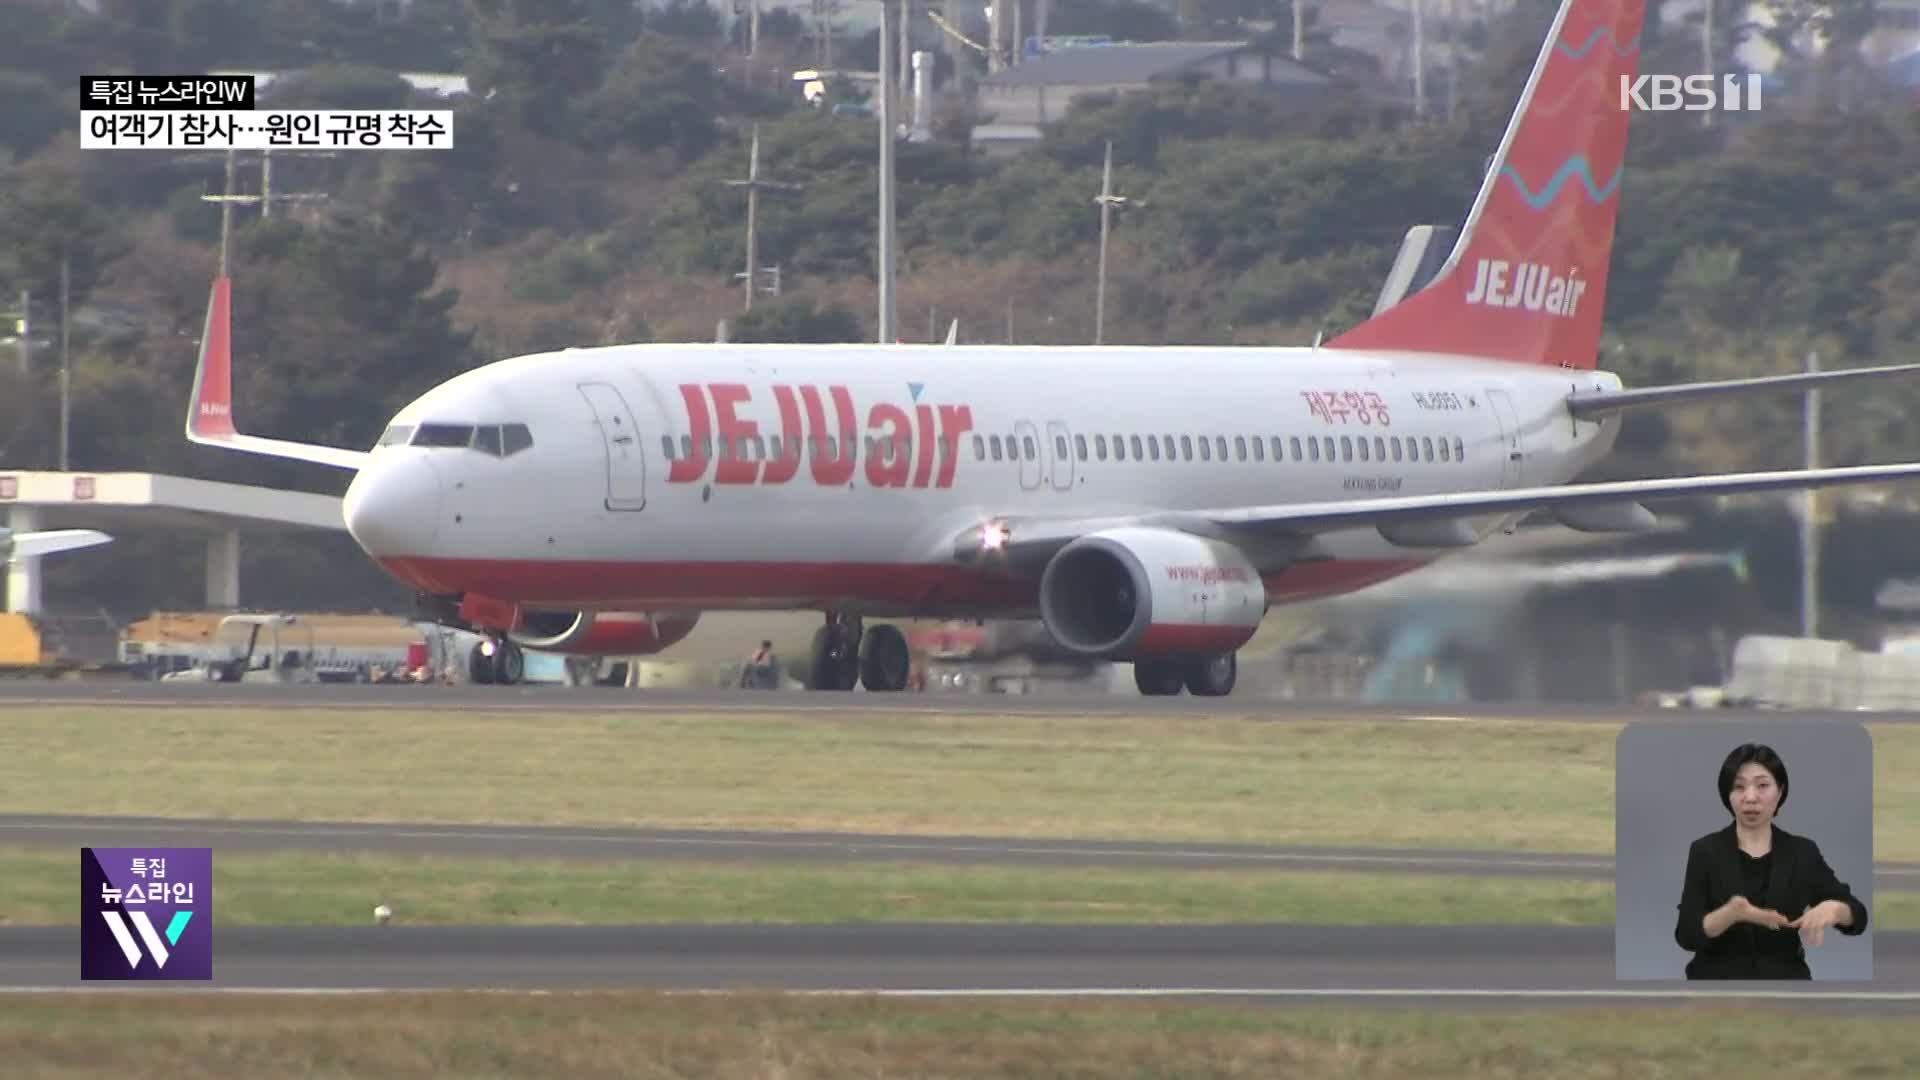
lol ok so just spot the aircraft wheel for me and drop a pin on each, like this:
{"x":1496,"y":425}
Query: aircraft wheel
{"x":480,"y":665}
{"x":509,"y":664}
{"x":835,"y":661}
{"x":1157,"y":678}
{"x":1213,"y":676}
{"x":885,"y":660}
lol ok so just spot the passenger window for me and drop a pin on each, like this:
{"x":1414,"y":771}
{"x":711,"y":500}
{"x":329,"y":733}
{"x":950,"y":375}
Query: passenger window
{"x":686,"y":443}
{"x":1220,"y":442}
{"x":1379,"y":448}
{"x":1240,"y":447}
{"x":1445,"y":450}
{"x":1206,"y":449}
{"x":1060,"y":447}
{"x":1426,"y":443}
{"x":1033,"y":452}
{"x":773,"y":446}
{"x":486,"y":439}
{"x":1100,"y":447}
{"x":1080,"y":447}
{"x":1279,"y":450}
{"x":833,"y":447}
{"x":760,"y":449}
{"x":1327,"y":442}
{"x":1313,"y":447}
{"x":1153,"y":448}
{"x":1186,"y":447}
{"x":1119,"y":448}
{"x":994,"y":442}
{"x":1166,"y":442}
{"x":666,"y":446}
{"x":1346,"y":448}
{"x":979,"y":448}
{"x":1459,"y":449}
{"x":1295,"y":440}
{"x":1396,"y":448}
{"x":1363,"y":448}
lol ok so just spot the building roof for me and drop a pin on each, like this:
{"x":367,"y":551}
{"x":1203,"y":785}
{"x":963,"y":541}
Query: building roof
{"x":1133,"y":62}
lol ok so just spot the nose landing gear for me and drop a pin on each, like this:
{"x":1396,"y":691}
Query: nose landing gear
{"x":496,"y":661}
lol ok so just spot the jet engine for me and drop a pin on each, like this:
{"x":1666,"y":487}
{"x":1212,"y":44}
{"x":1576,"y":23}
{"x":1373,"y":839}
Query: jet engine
{"x":602,"y":633}
{"x":1142,"y":592}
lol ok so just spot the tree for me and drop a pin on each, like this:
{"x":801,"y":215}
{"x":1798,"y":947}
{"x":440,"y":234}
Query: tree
{"x":796,"y":319}
{"x":45,"y":214}
{"x":534,"y":58}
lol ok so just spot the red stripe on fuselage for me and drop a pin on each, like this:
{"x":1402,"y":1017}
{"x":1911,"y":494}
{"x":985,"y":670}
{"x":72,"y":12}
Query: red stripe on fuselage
{"x":932,"y":589}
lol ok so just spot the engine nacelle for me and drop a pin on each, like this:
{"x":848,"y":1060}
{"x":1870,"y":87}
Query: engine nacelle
{"x":1141,"y":592}
{"x":602,"y":633}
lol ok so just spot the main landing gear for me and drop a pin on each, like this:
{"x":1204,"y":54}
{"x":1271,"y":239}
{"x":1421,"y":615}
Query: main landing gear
{"x":1205,"y":676}
{"x":496,"y":661}
{"x":844,"y":653}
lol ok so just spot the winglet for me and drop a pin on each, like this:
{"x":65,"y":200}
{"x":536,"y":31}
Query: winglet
{"x":210,"y":414}
{"x":210,"y":407}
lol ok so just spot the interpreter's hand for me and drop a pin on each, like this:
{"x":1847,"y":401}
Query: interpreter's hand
{"x":1745,"y":910}
{"x":1813,"y":923}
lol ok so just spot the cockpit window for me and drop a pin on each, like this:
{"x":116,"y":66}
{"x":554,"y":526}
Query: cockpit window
{"x":486,"y":439}
{"x":396,"y":435}
{"x":515,"y":438}
{"x":443,"y":435}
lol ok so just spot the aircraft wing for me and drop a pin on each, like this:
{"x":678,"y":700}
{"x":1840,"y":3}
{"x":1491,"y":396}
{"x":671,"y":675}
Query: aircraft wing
{"x":1419,"y":520}
{"x":210,"y":420}
{"x":27,"y":545}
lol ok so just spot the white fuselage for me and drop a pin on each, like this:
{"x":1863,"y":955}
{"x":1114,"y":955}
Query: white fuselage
{"x":611,"y":506}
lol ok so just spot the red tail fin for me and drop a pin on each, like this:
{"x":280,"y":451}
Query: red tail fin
{"x":1527,"y":280}
{"x":211,"y":415}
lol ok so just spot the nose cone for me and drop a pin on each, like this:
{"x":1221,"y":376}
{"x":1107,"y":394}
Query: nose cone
{"x":393,"y":506}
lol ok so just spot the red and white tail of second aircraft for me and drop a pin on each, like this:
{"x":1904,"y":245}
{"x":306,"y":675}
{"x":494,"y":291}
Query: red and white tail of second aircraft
{"x":1148,"y":504}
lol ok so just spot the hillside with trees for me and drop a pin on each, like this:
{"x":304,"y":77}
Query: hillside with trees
{"x":584,"y":203}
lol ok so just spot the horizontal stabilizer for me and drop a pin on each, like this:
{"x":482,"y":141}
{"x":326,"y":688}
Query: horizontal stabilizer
{"x":1595,"y":406}
{"x":28,"y":545}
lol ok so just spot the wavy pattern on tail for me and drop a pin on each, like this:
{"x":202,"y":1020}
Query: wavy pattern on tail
{"x":1527,"y":281}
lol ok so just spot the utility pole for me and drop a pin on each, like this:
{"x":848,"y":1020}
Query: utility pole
{"x":885,"y":89}
{"x":1107,"y":200}
{"x":1809,"y":516}
{"x":66,"y":380}
{"x":1299,"y":30}
{"x":1419,"y":61}
{"x":1706,"y":54}
{"x":753,"y":184}
{"x":25,"y":327}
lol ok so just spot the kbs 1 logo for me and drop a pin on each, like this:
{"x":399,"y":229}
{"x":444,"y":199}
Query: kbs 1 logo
{"x":1690,"y":93}
{"x":146,"y":914}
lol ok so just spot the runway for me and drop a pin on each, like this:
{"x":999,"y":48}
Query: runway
{"x":546,"y":698}
{"x":583,"y":842}
{"x":1484,"y":963}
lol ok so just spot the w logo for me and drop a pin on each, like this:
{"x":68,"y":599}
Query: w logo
{"x":146,"y":914}
{"x":117,"y":923}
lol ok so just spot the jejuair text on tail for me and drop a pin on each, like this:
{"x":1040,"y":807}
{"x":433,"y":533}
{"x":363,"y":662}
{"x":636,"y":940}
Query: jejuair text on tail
{"x":1530,"y":286}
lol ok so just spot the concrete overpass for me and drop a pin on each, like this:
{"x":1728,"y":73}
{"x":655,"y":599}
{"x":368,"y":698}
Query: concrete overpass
{"x":116,"y":502}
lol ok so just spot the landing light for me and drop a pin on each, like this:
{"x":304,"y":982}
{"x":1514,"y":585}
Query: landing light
{"x":993,"y":536}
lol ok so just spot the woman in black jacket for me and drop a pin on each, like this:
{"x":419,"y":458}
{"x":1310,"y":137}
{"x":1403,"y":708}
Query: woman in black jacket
{"x":1756,"y":895}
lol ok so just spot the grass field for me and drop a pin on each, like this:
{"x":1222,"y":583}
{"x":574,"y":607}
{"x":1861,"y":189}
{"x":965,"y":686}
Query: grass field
{"x":737,"y":1037}
{"x":1486,"y":784}
{"x":301,"y":889}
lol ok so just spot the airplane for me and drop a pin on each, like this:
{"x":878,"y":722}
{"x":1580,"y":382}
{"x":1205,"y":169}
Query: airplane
{"x":1147,"y":504}
{"x":15,"y":546}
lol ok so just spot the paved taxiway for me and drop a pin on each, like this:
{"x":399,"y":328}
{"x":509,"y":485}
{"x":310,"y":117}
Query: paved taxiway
{"x":466,"y":697}
{"x":1301,"y":960}
{"x":590,"y":842}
